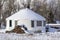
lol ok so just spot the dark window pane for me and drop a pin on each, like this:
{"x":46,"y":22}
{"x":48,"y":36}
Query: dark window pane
{"x":10,"y":23}
{"x":39,"y":23}
{"x":32,"y":23}
{"x":44,"y":23}
{"x":15,"y":23}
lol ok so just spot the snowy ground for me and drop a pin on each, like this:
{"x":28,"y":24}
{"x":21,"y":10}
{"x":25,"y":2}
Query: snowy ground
{"x":41,"y":36}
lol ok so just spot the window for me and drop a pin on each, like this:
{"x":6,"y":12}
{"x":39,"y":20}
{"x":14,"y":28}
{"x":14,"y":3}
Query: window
{"x":10,"y":23}
{"x":32,"y":23}
{"x":39,"y":23}
{"x":15,"y":23}
{"x":44,"y":23}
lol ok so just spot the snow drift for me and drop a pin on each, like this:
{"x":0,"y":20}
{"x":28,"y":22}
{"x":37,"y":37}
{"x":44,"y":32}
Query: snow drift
{"x":40,"y":36}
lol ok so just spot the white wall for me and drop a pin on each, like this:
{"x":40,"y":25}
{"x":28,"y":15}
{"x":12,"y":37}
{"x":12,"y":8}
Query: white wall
{"x":58,"y":22}
{"x":27,"y":23}
{"x":37,"y":28}
{"x":8,"y":28}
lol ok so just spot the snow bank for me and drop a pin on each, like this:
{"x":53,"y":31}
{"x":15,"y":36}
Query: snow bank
{"x":41,"y":36}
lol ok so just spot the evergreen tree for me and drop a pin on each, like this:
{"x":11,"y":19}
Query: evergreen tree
{"x":50,"y":18}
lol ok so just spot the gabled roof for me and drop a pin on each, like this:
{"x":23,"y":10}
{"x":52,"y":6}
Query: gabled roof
{"x":25,"y":14}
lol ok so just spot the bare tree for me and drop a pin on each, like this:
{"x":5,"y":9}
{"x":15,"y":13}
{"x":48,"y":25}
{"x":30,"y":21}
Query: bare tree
{"x":43,"y":7}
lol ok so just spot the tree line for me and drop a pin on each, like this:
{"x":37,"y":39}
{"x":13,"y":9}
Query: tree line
{"x":50,"y":9}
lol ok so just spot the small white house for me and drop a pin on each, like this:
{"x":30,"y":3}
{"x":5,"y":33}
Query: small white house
{"x":27,"y":17}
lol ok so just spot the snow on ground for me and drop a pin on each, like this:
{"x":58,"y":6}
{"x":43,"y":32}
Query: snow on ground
{"x":41,"y":36}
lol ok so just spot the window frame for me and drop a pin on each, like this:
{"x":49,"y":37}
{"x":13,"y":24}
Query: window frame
{"x":32,"y":23}
{"x":38,"y":24}
{"x":44,"y":23}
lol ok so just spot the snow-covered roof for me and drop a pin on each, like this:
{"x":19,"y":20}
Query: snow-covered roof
{"x":25,"y":14}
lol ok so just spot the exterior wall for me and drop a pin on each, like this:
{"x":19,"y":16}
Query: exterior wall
{"x":58,"y":22}
{"x":27,"y":23}
{"x":39,"y":28}
{"x":42,"y":29}
{"x":8,"y":28}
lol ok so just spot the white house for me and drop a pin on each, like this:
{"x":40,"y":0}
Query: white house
{"x":27,"y":17}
